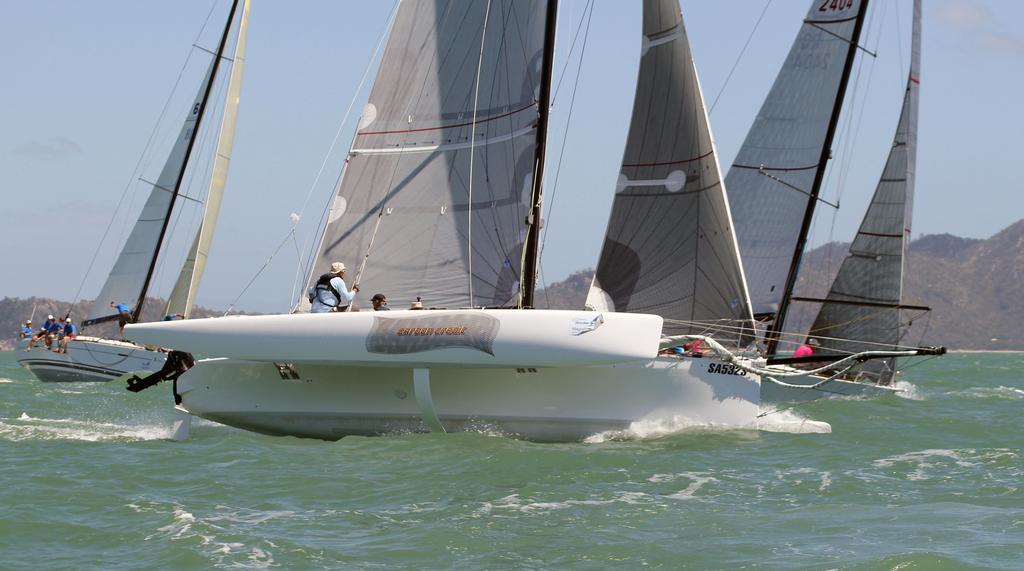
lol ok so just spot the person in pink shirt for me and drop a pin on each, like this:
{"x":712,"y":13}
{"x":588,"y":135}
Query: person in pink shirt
{"x":807,"y":349}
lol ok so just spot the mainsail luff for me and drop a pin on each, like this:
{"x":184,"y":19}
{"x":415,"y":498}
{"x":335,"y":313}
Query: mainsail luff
{"x":130,"y":277}
{"x":853,"y":316}
{"x":670,"y":247}
{"x":409,"y":161}
{"x":528,"y":281}
{"x":781,"y":162}
{"x":182,"y":296}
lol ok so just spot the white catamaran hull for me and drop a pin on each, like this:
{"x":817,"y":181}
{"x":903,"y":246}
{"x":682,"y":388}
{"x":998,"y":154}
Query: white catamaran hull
{"x":90,"y":359}
{"x":541,"y":404}
{"x":535,"y":374}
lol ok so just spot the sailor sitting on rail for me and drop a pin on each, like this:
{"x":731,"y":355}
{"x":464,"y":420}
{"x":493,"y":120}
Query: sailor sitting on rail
{"x":330,"y":293}
{"x":67,"y":334}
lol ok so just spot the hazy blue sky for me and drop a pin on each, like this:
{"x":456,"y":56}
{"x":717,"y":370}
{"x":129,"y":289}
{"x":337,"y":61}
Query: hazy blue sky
{"x":84,"y":84}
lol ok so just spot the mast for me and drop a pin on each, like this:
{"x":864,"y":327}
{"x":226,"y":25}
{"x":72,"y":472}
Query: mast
{"x":533,"y":221}
{"x":137,"y":312}
{"x":772,"y":335}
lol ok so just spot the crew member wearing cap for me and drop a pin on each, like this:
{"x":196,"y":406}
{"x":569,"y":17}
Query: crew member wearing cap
{"x":380,"y":303}
{"x":330,"y":293}
{"x":69,"y":333}
{"x":26,"y":330}
{"x":44,"y":331}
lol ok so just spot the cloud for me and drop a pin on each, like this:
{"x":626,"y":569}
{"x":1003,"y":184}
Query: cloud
{"x":980,"y":27}
{"x":55,"y":148}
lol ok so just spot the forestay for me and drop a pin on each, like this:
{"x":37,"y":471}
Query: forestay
{"x":183,"y":295}
{"x":127,"y":280}
{"x":670,"y":248}
{"x":436,"y":232}
{"x":872,"y":273}
{"x":774,"y":173}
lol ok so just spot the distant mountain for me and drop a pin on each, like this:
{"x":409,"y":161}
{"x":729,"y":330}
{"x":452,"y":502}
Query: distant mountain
{"x":974,"y":287}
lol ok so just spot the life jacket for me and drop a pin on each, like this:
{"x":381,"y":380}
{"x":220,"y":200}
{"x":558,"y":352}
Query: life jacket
{"x":323,"y":283}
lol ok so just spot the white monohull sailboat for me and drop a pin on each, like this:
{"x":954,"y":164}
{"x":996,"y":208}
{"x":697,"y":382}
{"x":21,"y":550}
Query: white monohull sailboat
{"x":91,"y":358}
{"x":441,"y":197}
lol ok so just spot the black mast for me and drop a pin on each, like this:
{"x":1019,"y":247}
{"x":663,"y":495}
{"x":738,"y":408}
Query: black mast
{"x":772,"y":335}
{"x":533,"y":220}
{"x":137,"y":312}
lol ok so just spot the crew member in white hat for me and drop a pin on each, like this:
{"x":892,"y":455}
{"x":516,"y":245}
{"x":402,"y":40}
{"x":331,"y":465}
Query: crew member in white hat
{"x":330,"y":293}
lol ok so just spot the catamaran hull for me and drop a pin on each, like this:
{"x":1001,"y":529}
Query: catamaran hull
{"x":90,"y":360}
{"x":542,"y":404}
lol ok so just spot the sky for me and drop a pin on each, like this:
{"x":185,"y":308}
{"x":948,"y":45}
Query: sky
{"x":90,"y":87}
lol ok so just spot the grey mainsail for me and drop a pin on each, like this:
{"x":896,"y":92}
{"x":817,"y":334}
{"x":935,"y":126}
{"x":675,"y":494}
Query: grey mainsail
{"x":865,"y":300}
{"x":670,"y":248}
{"x":440,"y":172}
{"x":183,"y":295}
{"x":779,"y":167}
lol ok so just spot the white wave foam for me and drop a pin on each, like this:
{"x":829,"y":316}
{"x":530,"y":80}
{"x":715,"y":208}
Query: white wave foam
{"x":697,"y":481}
{"x":32,"y":428}
{"x":1002,"y":392}
{"x":516,"y":504}
{"x":907,"y":390}
{"x":659,"y":428}
{"x":6,"y":381}
{"x":791,"y":422}
{"x":922,"y":460}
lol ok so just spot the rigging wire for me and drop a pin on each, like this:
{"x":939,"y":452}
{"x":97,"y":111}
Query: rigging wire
{"x":142,"y":156}
{"x":739,"y":57}
{"x":307,"y":268}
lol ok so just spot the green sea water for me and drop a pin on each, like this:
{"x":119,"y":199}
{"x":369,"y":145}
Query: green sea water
{"x":89,"y":480}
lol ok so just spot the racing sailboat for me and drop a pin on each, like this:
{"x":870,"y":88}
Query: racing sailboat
{"x":441,"y":199}
{"x":90,"y":358}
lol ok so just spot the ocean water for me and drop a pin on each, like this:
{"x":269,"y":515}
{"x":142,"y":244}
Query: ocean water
{"x":932,"y":480}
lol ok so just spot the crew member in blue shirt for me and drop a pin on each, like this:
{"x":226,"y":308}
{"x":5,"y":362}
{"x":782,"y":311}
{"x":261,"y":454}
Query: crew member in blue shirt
{"x":67,"y":334}
{"x":124,"y":316}
{"x":44,"y":330}
{"x":26,"y":330}
{"x":330,"y":292}
{"x":53,"y":333}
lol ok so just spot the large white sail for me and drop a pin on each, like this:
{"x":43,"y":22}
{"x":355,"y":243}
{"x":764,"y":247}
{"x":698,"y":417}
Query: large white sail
{"x":131,"y":271}
{"x":670,"y":248}
{"x":782,"y":158}
{"x":440,"y":173}
{"x":183,"y":295}
{"x":864,"y":301}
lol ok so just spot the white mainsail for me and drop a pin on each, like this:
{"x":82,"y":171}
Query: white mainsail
{"x":670,"y":248}
{"x":183,"y":295}
{"x":863,"y":307}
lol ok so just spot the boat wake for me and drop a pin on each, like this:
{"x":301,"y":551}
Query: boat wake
{"x":27,"y":427}
{"x":908,"y":390}
{"x":790,"y":422}
{"x":659,"y":428}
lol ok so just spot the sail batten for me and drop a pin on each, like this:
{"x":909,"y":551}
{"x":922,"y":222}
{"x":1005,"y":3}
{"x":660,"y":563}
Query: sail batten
{"x":670,"y":248}
{"x":873,"y":270}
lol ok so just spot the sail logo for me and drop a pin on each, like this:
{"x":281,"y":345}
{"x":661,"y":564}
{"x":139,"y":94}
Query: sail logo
{"x":404,"y":335}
